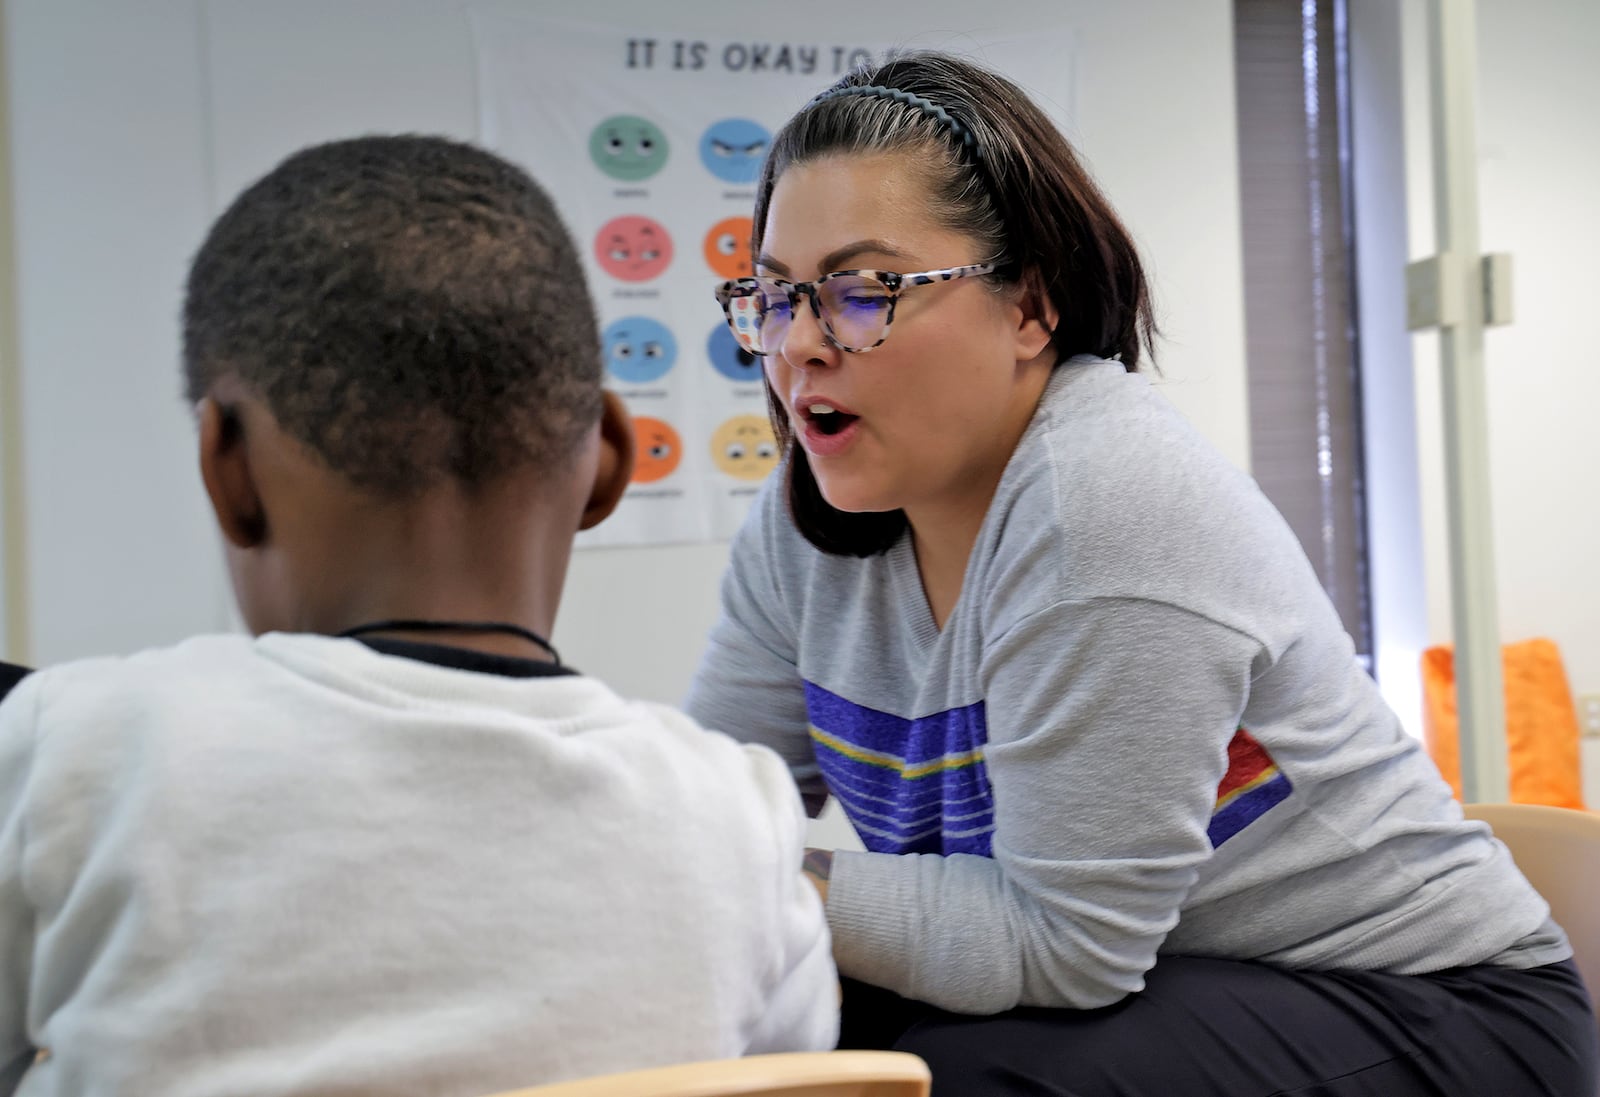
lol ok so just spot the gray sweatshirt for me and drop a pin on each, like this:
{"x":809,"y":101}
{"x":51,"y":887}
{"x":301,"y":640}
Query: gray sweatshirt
{"x":1142,"y":731}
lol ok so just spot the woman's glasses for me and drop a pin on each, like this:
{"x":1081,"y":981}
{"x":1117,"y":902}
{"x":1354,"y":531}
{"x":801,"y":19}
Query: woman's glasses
{"x":854,"y":307}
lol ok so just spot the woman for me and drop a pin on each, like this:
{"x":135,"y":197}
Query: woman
{"x":1136,"y":821}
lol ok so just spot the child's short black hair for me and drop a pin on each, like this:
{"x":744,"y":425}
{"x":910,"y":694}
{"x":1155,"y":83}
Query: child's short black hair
{"x":410,"y":308}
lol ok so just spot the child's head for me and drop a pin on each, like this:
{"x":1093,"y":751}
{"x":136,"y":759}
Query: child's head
{"x":395,"y":360}
{"x":926,"y":163}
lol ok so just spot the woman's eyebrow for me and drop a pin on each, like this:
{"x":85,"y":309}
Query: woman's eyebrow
{"x":836,"y":259}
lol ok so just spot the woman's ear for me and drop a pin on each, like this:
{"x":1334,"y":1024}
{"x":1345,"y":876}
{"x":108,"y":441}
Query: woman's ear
{"x":229,"y":479}
{"x":614,"y":470}
{"x":1037,"y":317}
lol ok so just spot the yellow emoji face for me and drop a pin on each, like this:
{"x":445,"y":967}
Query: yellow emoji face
{"x":744,"y":447}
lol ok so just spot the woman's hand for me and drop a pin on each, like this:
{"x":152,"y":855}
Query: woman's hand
{"x":818,"y":866}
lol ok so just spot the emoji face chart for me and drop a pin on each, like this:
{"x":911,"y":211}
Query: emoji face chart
{"x":745,"y":447}
{"x":628,"y":148}
{"x":727,"y":248}
{"x":651,"y":145}
{"x":633,"y":248}
{"x":733,"y":150}
{"x":638,"y":350}
{"x":657,"y":450}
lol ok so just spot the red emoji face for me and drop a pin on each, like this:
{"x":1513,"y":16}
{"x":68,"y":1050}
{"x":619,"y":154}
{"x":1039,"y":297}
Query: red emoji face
{"x":633,"y":248}
{"x":727,"y":248}
{"x":657,"y":450}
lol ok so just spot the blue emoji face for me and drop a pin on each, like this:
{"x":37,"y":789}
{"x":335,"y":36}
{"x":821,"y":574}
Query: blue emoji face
{"x":638,"y":350}
{"x":730,"y":359}
{"x":733,"y":149}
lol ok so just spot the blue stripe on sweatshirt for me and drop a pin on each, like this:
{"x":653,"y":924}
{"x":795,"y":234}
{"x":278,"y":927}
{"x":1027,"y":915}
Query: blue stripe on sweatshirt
{"x":908,"y":786}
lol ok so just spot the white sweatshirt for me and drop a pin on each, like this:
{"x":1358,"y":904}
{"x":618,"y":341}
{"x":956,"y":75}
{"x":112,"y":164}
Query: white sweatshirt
{"x":295,"y":865}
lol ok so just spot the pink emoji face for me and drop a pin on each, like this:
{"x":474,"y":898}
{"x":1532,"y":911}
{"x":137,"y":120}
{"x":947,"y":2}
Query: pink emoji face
{"x":633,"y":248}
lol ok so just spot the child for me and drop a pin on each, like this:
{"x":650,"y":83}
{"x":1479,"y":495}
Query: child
{"x":391,"y":844}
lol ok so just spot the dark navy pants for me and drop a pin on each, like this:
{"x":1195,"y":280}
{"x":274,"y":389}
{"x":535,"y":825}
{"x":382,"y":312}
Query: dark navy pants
{"x":1223,"y":1028}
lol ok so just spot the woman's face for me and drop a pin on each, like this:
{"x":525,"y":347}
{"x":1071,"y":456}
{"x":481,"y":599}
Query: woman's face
{"x":931,"y":416}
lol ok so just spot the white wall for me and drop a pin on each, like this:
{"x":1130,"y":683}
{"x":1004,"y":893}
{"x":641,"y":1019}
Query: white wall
{"x":12,"y":638}
{"x":110,"y":197}
{"x":6,"y":654}
{"x":1539,"y":159}
{"x":135,"y":122}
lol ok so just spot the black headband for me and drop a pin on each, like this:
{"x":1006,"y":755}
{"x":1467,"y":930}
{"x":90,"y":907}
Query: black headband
{"x":957,"y":129}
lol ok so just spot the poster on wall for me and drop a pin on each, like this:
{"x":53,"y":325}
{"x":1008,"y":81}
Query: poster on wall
{"x":651,"y":144}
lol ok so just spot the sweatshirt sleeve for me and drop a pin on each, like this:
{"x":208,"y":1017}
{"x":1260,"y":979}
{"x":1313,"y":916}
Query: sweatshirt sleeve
{"x":803,"y":1005}
{"x":1108,"y":722}
{"x":748,"y":684}
{"x":17,"y":717}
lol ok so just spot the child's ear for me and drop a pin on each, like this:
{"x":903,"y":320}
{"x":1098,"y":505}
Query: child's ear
{"x":229,"y":480}
{"x":615,"y":468}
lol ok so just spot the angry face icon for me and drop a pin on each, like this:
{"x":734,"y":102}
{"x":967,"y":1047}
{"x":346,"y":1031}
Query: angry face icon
{"x":734,"y":148}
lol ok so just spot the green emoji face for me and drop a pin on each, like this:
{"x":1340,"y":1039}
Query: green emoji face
{"x":628,"y":148}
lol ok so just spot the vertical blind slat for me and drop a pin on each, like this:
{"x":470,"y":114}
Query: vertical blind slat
{"x":1304,"y":372}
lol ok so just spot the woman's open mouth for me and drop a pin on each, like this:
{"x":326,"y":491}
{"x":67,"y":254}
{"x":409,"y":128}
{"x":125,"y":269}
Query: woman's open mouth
{"x":827,"y":428}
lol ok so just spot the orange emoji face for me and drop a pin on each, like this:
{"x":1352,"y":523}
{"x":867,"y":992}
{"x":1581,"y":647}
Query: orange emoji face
{"x":728,"y":248}
{"x":657,"y":450}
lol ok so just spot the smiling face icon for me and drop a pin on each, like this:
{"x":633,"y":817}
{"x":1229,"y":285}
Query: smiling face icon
{"x":638,"y":350}
{"x":633,"y":248}
{"x":727,"y":248}
{"x":744,"y":447}
{"x":628,"y":148}
{"x":734,"y":148}
{"x":657,"y":450}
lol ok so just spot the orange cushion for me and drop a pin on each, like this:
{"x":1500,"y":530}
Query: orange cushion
{"x":1541,"y":723}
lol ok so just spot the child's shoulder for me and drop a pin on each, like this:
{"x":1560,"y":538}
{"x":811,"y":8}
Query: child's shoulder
{"x":82,"y":686}
{"x":727,"y":762}
{"x":197,"y":653}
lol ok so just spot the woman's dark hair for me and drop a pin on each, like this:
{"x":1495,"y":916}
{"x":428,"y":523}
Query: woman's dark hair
{"x":1015,"y":186}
